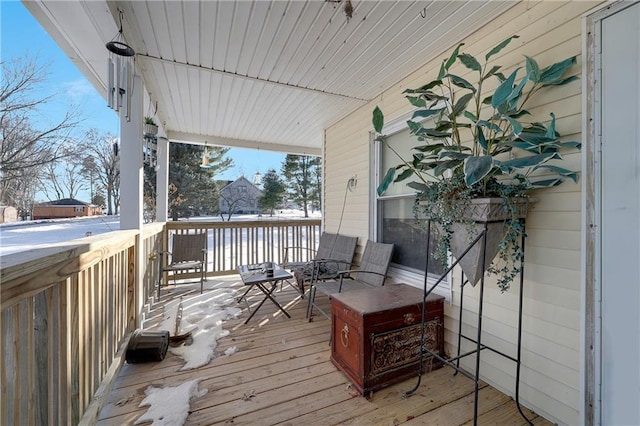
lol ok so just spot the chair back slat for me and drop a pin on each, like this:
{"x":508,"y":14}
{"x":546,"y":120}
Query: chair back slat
{"x":344,"y":250}
{"x":188,"y":247}
{"x":376,"y":258}
{"x":326,"y":244}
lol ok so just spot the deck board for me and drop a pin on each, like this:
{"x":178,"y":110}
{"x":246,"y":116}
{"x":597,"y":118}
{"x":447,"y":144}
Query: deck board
{"x":284,"y":363}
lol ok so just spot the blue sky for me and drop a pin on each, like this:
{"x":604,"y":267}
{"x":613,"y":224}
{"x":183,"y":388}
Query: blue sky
{"x":21,"y":33}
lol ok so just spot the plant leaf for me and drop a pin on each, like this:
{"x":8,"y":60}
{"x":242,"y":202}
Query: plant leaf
{"x":551,"y":131}
{"x":489,"y":125}
{"x":424,"y":113}
{"x":476,"y":168}
{"x":461,"y":104}
{"x":417,"y":101}
{"x":563,"y":81}
{"x":404,"y":175}
{"x":515,"y":124}
{"x":378,"y":120}
{"x":461,"y":82}
{"x":418,"y":186}
{"x":482,"y":140}
{"x":453,"y":57}
{"x":546,"y":183}
{"x":470,"y":62}
{"x":503,"y":91}
{"x":386,"y":181}
{"x":533,"y":70}
{"x":530,"y":161}
{"x":554,"y":72}
{"x":470,"y":116}
{"x":424,"y":88}
{"x":562,"y":172}
{"x":499,"y":47}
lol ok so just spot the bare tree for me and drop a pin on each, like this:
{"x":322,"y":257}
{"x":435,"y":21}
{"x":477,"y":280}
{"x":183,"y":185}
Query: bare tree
{"x":64,"y":178}
{"x":103,"y":149}
{"x":26,"y":144}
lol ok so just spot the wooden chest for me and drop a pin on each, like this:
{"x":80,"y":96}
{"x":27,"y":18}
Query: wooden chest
{"x":376,"y":334}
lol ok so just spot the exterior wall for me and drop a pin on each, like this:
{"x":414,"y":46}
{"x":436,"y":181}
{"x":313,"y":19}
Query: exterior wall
{"x":240,"y":202}
{"x":551,"y":353}
{"x":53,"y":212}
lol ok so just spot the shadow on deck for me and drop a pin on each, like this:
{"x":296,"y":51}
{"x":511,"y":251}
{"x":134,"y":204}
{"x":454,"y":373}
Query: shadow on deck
{"x":281,"y":374}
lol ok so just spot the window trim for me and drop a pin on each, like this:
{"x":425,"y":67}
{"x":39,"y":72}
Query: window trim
{"x":445,"y":288}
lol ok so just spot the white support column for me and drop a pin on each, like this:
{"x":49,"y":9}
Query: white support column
{"x":162,"y":180}
{"x":131,"y":179}
{"x":131,"y":172}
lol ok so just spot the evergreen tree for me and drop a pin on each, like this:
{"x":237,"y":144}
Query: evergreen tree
{"x":192,"y":189}
{"x":273,"y":190}
{"x":303,"y":176}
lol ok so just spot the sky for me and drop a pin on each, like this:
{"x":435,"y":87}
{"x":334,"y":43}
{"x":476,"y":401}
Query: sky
{"x":21,"y":34}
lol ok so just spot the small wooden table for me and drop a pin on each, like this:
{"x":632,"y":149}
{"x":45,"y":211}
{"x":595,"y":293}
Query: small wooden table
{"x":259,"y":275}
{"x":376,"y":334}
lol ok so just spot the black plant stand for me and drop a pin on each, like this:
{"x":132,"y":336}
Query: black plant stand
{"x":455,"y":362}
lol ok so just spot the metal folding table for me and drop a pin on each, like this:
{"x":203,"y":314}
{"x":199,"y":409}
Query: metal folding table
{"x":265,"y":276}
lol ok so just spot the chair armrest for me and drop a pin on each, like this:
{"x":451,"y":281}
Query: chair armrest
{"x":347,"y":274}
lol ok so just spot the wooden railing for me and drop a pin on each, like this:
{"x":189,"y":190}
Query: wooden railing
{"x":236,"y":243}
{"x":67,"y":310}
{"x":66,"y":313}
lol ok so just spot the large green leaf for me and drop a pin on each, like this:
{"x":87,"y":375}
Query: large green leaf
{"x":470,"y":62}
{"x":476,"y":168}
{"x":433,"y":133}
{"x":561,"y":171}
{"x":482,"y":140}
{"x":461,"y":104}
{"x":461,"y":82}
{"x":545,"y":183}
{"x":515,"y":125}
{"x":503,"y":91}
{"x":529,"y":161}
{"x":499,"y":47}
{"x":422,"y":89}
{"x":418,"y":186}
{"x":533,"y":70}
{"x":424,"y":113}
{"x":436,"y":147}
{"x":417,"y":101}
{"x":489,"y":125}
{"x":469,"y":115}
{"x":453,"y":155}
{"x":404,"y":175}
{"x":554,"y":72}
{"x":551,"y":131}
{"x":516,"y":92}
{"x":563,"y":81}
{"x":443,"y":166}
{"x":453,"y":57}
{"x":378,"y":120}
{"x":386,"y":181}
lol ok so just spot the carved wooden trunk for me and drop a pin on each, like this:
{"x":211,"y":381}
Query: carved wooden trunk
{"x":376,"y":334}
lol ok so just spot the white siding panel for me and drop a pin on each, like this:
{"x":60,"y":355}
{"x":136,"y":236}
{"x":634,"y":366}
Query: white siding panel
{"x":550,"y":31}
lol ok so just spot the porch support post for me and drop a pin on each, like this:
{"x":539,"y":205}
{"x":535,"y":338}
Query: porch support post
{"x":131,"y":173}
{"x":162,"y":180}
{"x":131,"y":179}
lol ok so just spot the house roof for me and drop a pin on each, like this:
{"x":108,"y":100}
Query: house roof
{"x":65,"y":202}
{"x":261,"y":74}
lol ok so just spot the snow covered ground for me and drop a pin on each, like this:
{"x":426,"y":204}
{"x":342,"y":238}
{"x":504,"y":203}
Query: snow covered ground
{"x":20,"y":236}
{"x":202,"y":315}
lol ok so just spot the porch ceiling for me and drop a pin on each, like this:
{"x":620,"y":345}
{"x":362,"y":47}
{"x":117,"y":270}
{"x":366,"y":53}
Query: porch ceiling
{"x":267,"y":74}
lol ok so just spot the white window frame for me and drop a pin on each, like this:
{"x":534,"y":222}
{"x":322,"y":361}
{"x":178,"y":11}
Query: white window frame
{"x":395,"y":126}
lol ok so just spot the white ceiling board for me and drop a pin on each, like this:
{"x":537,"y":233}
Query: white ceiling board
{"x":271,"y":72}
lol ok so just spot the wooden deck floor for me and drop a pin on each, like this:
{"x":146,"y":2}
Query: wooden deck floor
{"x":285,"y":364}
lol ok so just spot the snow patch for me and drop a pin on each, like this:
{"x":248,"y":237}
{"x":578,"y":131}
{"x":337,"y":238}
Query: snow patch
{"x":169,"y":406}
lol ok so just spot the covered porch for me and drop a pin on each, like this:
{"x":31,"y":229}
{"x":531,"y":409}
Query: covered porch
{"x":280,"y":373}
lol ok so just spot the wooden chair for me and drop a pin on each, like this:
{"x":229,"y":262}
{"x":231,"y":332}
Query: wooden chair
{"x":372,"y":272}
{"x":188,"y":253}
{"x":335,"y":253}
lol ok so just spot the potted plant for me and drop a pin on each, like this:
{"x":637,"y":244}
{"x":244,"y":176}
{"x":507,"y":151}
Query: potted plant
{"x":477,"y":151}
{"x":150,"y":127}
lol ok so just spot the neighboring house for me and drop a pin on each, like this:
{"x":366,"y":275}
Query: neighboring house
{"x":8,"y":214}
{"x":240,"y":197}
{"x":65,"y":208}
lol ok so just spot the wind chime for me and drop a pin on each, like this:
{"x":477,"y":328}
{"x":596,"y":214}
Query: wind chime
{"x":206,"y":160}
{"x":120,"y":73}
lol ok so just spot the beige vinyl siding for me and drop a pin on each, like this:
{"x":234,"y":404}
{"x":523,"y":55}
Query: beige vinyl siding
{"x":551,"y":353}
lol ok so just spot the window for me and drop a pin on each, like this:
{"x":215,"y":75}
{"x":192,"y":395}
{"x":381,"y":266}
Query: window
{"x":394,"y":220}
